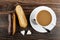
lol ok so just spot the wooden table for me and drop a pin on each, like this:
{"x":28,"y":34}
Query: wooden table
{"x":28,"y":6}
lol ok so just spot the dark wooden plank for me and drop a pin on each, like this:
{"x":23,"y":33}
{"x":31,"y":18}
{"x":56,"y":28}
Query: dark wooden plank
{"x":34,"y":1}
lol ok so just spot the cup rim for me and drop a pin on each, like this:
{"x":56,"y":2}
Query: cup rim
{"x":47,"y":9}
{"x":37,"y":21}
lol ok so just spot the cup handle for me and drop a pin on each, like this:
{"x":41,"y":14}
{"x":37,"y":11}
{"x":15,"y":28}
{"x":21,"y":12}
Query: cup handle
{"x":34,"y":21}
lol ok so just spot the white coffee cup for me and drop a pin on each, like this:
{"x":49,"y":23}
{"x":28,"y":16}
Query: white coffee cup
{"x":33,"y":17}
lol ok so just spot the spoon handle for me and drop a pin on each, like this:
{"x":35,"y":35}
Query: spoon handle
{"x":47,"y":29}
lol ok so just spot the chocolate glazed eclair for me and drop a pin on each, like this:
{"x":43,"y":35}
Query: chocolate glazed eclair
{"x":10,"y":23}
{"x":21,"y":16}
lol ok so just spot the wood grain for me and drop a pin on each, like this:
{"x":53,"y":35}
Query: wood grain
{"x":28,"y":6}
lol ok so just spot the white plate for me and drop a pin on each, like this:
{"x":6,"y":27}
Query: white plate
{"x":39,"y":28}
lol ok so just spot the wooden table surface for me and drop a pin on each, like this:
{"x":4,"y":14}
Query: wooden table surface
{"x":28,"y":6}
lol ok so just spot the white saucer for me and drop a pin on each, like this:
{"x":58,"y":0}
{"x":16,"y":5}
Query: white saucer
{"x":39,"y":28}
